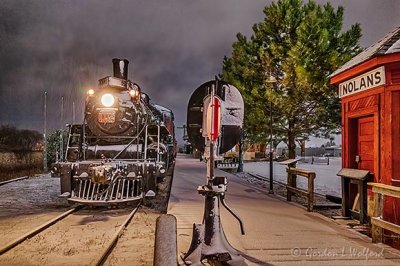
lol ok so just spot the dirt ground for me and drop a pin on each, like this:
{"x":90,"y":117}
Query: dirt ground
{"x":78,"y":239}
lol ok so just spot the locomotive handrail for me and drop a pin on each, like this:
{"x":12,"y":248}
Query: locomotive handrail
{"x":111,"y":137}
{"x":158,"y":143}
{"x":145,"y":142}
{"x":124,"y":149}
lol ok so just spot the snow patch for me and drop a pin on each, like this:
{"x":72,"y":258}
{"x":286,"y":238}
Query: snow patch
{"x":395,"y":48}
{"x":232,"y":107}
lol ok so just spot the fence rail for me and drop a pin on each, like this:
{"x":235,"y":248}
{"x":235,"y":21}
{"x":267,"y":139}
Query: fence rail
{"x":292,"y":188}
{"x":378,"y":224}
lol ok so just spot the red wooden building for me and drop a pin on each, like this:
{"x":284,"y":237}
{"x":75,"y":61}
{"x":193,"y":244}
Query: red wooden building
{"x":369,"y":88}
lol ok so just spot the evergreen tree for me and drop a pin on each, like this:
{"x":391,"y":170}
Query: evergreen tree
{"x":53,"y":146}
{"x":286,"y":63}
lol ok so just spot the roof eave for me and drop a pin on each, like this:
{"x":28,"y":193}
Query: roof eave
{"x":362,"y":67}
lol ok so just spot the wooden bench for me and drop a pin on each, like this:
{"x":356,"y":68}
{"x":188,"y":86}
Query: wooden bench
{"x":292,"y":188}
{"x":320,"y":160}
{"x":378,"y":224}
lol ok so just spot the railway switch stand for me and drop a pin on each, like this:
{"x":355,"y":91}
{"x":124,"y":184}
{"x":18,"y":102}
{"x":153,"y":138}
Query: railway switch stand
{"x":208,"y":239}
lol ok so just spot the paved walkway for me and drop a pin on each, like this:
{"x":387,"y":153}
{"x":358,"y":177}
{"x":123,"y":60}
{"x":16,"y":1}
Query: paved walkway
{"x":277,"y":232}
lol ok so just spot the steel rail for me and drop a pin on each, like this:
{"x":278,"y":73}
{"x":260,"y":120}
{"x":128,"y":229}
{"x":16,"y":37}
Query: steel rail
{"x":13,"y":180}
{"x":37,"y":230}
{"x":117,"y":235}
{"x":263,"y":178}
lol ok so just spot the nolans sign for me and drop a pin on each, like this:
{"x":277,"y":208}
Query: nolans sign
{"x":364,"y":82}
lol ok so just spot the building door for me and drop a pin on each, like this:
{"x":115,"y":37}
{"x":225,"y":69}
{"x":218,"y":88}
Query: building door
{"x":365,"y":145}
{"x":361,"y":148}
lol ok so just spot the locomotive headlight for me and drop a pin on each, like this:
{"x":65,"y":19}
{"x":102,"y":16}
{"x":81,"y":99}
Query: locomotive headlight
{"x":90,"y":92}
{"x":107,"y":100}
{"x":134,"y":93}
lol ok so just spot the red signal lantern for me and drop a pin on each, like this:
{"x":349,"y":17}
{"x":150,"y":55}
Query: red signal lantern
{"x":216,"y":119}
{"x":212,"y":118}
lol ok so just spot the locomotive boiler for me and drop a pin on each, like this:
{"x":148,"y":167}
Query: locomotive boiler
{"x":125,"y":145}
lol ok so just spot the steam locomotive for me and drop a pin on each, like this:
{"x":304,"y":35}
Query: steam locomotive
{"x":125,"y":145}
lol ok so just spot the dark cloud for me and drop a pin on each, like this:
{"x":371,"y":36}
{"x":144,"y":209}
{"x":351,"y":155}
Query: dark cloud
{"x":64,"y":47}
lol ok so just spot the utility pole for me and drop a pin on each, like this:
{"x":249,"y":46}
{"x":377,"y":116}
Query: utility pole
{"x":73,"y":112}
{"x":61,"y":131}
{"x":45,"y":133}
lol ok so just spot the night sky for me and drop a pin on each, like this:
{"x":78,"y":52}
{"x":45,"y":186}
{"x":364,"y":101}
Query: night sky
{"x":64,"y":47}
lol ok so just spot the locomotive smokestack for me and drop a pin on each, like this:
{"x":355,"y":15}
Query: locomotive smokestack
{"x":120,"y":67}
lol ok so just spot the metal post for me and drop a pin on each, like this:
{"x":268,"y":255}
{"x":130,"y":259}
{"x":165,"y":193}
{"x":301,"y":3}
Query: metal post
{"x":61,"y":131}
{"x":158,"y":143}
{"x":210,"y":163}
{"x":185,"y":139}
{"x":45,"y":134}
{"x":185,"y":136}
{"x":271,"y":167}
{"x":240,"y":167}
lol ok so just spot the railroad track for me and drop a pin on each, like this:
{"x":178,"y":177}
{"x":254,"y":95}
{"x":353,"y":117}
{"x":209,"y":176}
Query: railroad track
{"x":37,"y":230}
{"x":263,"y":178}
{"x":99,"y":260}
{"x":107,"y":250}
{"x":13,"y":180}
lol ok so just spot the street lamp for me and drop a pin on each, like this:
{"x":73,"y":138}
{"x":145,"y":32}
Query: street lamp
{"x":272,"y":80}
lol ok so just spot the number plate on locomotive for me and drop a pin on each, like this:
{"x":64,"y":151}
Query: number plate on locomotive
{"x":106,"y":116}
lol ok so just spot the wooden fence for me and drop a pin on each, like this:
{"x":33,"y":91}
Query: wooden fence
{"x":293,"y":189}
{"x":378,"y":224}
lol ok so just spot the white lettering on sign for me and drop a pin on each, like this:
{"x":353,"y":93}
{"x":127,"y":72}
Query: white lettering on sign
{"x":364,"y":82}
